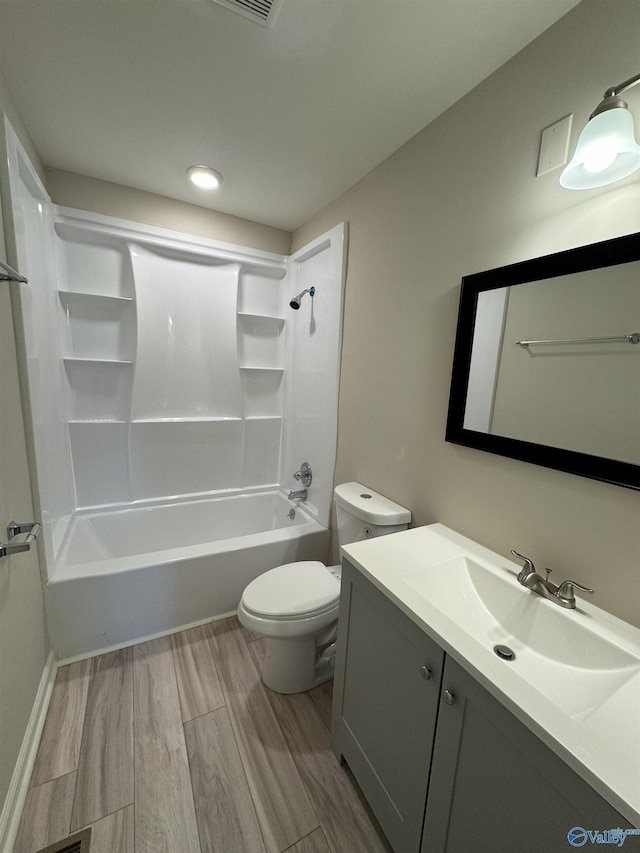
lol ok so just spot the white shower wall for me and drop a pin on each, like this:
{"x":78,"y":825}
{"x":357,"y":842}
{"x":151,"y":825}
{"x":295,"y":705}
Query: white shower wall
{"x":29,"y":235}
{"x":155,"y":365}
{"x":188,"y":373}
{"x":314,"y":337}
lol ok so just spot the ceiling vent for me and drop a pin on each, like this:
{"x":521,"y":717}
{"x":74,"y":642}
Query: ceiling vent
{"x":261,"y":11}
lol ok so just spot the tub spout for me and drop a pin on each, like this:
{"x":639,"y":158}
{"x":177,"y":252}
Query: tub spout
{"x":299,"y":495}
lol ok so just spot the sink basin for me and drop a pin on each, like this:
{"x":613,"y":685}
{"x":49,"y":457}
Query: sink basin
{"x":559,"y":652}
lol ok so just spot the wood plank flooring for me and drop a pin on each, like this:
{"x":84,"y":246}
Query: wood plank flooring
{"x":176,"y":746}
{"x":105,"y":768}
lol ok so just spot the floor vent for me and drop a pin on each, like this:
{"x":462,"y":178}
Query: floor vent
{"x":261,"y":11}
{"x":78,"y":843}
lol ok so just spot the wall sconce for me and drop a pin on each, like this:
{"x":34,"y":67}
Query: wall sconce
{"x":607,"y":150}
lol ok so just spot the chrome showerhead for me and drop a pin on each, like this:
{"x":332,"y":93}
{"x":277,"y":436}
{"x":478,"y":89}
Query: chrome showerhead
{"x":295,"y":302}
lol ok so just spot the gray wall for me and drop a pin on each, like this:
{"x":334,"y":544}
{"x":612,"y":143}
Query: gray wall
{"x":84,"y":193}
{"x":23,"y":640}
{"x":460,"y":197}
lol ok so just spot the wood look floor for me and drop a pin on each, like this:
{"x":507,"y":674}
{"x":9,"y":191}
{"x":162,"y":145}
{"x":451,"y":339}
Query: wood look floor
{"x":176,"y":746}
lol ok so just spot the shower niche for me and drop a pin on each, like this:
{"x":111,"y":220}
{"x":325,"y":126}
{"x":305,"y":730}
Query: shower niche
{"x":97,"y":329}
{"x":261,"y":346}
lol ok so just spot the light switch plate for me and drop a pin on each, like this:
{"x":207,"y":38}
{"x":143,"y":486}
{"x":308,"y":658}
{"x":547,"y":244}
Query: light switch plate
{"x":554,"y":146}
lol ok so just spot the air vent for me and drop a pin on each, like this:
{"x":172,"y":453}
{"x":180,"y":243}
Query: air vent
{"x":78,"y":843}
{"x":261,"y":11}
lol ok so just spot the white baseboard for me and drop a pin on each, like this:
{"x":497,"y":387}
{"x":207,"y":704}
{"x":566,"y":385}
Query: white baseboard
{"x":19,"y":785}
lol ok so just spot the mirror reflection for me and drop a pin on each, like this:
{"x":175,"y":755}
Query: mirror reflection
{"x":557,"y":362}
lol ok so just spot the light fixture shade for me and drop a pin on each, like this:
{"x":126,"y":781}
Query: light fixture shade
{"x":204,"y":177}
{"x":606,"y":152}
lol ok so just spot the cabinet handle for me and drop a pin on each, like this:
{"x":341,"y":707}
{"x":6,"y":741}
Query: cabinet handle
{"x":448,"y":697}
{"x":425,"y":673}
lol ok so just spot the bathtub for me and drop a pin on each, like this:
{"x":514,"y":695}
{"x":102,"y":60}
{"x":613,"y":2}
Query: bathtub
{"x":125,"y":574}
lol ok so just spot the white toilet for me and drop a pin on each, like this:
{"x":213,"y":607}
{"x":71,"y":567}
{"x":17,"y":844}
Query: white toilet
{"x":295,"y":606}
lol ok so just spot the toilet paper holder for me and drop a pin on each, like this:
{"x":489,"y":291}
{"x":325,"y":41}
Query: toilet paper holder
{"x":31,"y":528}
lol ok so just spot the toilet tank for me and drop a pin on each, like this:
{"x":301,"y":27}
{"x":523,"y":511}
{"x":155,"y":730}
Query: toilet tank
{"x":363,"y":514}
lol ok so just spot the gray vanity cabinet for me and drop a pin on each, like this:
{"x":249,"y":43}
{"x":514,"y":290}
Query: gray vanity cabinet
{"x":445,"y":767}
{"x":386,"y":693}
{"x":495,"y":786}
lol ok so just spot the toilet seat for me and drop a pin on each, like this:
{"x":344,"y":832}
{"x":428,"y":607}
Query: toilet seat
{"x":292,"y":591}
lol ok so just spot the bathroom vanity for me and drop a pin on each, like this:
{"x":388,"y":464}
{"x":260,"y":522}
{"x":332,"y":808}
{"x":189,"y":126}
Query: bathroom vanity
{"x":458,"y":749}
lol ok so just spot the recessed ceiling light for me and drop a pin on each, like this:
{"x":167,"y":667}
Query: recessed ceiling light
{"x":204,"y":177}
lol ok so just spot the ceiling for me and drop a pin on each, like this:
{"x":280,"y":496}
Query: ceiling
{"x":134,"y":91}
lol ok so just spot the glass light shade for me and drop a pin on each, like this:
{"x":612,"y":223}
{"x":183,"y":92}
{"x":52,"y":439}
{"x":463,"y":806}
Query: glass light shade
{"x":204,"y":177}
{"x":606,"y":152}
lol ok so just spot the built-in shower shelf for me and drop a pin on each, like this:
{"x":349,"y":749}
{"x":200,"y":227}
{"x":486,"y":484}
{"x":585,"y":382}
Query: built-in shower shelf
{"x":263,"y":418}
{"x":204,"y":419}
{"x":99,"y":421}
{"x":117,"y":362}
{"x":263,"y":369}
{"x":69,"y":297}
{"x":269,"y":318}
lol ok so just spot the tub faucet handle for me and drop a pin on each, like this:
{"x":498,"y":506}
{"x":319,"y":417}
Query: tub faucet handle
{"x":304,"y":475}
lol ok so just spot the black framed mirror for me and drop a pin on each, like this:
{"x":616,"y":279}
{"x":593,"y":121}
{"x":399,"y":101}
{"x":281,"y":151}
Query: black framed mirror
{"x":546,"y":366}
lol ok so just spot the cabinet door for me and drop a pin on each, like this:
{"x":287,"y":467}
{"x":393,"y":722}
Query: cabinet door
{"x":495,"y":786}
{"x":386,"y":690}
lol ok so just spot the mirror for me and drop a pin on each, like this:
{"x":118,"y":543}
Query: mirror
{"x":547,"y":362}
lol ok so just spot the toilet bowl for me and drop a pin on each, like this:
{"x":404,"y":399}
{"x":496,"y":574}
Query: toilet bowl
{"x":295,"y":606}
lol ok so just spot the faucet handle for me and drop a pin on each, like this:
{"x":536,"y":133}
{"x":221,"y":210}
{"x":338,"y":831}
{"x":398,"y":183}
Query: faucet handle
{"x":566,"y":595}
{"x":304,"y":474}
{"x":528,"y":567}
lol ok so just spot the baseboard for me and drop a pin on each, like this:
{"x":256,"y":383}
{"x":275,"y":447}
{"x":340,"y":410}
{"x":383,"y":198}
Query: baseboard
{"x":19,"y":785}
{"x":116,"y":646}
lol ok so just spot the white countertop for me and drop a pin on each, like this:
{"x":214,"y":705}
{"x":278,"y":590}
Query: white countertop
{"x":602,"y":745}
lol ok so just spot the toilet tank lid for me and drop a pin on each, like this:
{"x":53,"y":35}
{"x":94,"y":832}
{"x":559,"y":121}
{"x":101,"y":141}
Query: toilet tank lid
{"x":369,"y":506}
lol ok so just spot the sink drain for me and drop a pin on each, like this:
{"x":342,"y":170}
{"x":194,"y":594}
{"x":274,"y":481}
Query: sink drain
{"x":504,"y":652}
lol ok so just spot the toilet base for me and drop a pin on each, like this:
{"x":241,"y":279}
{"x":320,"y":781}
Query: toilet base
{"x":298,"y":665}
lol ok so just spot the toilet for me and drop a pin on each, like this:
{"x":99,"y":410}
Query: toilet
{"x":295,"y":606}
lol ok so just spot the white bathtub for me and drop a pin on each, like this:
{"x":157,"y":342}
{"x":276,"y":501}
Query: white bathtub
{"x":133,"y":573}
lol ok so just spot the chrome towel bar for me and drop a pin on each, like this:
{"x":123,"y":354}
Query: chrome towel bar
{"x":633,"y":338}
{"x":31,"y":528}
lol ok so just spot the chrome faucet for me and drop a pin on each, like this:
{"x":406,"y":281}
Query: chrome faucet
{"x":562,"y":595}
{"x":298,"y":495}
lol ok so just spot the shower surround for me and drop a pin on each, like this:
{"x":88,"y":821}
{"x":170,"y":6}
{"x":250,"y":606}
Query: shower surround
{"x":173,"y":394}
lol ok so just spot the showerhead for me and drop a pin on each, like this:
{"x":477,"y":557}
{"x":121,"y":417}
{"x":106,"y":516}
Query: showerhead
{"x":295,"y":302}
